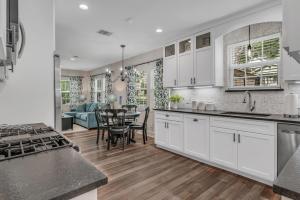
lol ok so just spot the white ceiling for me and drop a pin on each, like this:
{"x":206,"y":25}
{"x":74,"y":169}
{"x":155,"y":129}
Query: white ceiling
{"x":76,"y":30}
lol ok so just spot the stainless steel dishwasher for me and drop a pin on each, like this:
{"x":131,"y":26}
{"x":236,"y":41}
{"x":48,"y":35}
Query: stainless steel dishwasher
{"x":288,"y":140}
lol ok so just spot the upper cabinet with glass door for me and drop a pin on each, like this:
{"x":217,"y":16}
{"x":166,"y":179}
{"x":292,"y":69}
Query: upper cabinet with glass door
{"x":185,"y":62}
{"x":170,"y":78}
{"x":203,"y":59}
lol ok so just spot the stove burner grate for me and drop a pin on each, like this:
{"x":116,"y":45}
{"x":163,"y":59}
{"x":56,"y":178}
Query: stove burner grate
{"x":13,"y":144}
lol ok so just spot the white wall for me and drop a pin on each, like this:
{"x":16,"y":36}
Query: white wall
{"x":28,"y":95}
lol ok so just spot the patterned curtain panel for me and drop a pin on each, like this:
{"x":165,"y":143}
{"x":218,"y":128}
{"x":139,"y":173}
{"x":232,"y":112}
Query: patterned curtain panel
{"x":131,"y":85}
{"x":108,"y":86}
{"x":75,"y":89}
{"x":160,"y":93}
{"x":92,"y":84}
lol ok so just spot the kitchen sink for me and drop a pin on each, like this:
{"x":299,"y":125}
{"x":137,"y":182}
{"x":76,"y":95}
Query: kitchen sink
{"x":246,"y":114}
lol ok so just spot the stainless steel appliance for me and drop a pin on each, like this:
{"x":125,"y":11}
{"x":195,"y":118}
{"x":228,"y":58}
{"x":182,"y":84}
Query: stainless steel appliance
{"x":57,"y":94}
{"x":15,"y":32}
{"x":288,"y":140}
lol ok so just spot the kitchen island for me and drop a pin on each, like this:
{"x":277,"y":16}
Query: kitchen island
{"x":55,"y":174}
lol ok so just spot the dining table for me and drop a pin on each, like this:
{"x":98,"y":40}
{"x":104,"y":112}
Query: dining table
{"x":128,"y":115}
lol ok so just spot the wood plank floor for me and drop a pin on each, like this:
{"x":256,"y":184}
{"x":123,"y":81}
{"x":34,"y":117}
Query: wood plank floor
{"x":146,"y":172}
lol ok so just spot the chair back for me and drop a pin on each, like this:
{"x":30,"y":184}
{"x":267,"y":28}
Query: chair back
{"x":130,"y":107}
{"x":115,"y":117}
{"x":147,"y":110}
{"x":99,"y":118}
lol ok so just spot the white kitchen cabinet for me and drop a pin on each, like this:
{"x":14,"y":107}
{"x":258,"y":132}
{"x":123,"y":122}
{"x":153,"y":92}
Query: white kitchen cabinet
{"x":223,"y":147}
{"x":256,"y":154}
{"x":170,"y":78}
{"x":203,"y":59}
{"x":204,"y":67}
{"x":244,"y":146}
{"x":169,"y":130}
{"x":2,"y":29}
{"x":291,"y":25}
{"x":175,"y":130}
{"x":185,"y":62}
{"x":196,"y":136}
{"x":161,"y":133}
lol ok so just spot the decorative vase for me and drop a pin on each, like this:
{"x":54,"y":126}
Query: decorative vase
{"x":174,"y":105}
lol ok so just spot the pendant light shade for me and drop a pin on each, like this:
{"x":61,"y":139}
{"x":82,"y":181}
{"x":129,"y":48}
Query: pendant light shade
{"x":249,"y":48}
{"x":123,"y":75}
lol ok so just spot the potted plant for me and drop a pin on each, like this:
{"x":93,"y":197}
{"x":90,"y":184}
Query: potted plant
{"x":175,"y":100}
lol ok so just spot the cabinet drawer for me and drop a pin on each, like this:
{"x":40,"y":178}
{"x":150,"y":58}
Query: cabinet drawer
{"x":169,"y":116}
{"x":262,"y":127}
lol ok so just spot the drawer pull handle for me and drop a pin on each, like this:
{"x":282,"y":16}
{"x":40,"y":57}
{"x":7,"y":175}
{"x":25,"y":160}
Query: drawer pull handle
{"x":167,"y":115}
{"x":239,"y":138}
{"x":195,"y":120}
{"x":234,"y":137}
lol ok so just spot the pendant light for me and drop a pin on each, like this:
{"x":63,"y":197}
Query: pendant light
{"x":123,"y":75}
{"x":249,"y":48}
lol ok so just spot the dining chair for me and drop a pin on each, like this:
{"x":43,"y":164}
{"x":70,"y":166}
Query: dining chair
{"x":130,"y":108}
{"x":143,"y":126}
{"x":115,"y":120}
{"x":101,"y":123}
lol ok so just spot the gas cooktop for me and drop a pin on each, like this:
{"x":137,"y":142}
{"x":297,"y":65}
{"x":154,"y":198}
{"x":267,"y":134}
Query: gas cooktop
{"x":22,"y":140}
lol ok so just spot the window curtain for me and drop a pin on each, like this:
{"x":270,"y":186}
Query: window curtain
{"x":131,"y":85}
{"x":75,"y":89}
{"x":161,"y":94}
{"x":92,"y":85}
{"x":108,"y":86}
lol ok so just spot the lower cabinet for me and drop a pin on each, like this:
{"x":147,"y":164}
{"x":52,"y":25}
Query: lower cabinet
{"x":161,"y":132}
{"x":250,"y":153}
{"x":169,"y":134}
{"x":196,"y":136}
{"x":223,"y":147}
{"x":175,"y":135}
{"x":249,"y":147}
{"x":256,"y":155}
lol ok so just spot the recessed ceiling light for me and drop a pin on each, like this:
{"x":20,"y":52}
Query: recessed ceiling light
{"x":74,"y":58}
{"x":83,"y":6}
{"x":159,"y":30}
{"x":129,"y":20}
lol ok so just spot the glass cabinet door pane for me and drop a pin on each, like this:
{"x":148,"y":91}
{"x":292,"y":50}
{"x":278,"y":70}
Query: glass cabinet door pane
{"x":170,"y":50}
{"x":203,"y":40}
{"x":185,"y":46}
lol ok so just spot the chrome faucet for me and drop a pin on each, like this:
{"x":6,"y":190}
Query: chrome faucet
{"x":251,"y":104}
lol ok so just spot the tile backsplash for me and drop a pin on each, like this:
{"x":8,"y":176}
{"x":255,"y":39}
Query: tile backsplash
{"x":266,"y":101}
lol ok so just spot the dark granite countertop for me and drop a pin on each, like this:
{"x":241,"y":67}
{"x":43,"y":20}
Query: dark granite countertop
{"x":272,"y":117}
{"x":288,"y":181}
{"x":58,"y":174}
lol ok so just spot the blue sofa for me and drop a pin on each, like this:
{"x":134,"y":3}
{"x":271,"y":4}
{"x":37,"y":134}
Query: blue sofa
{"x":84,"y":115}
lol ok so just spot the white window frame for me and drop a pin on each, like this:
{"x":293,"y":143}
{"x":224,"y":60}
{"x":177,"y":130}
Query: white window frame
{"x":147,"y":88}
{"x":231,"y":66}
{"x":99,"y":89}
{"x":65,"y":91}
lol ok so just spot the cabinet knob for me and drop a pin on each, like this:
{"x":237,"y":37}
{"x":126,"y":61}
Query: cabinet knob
{"x":167,"y":115}
{"x":195,"y":120}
